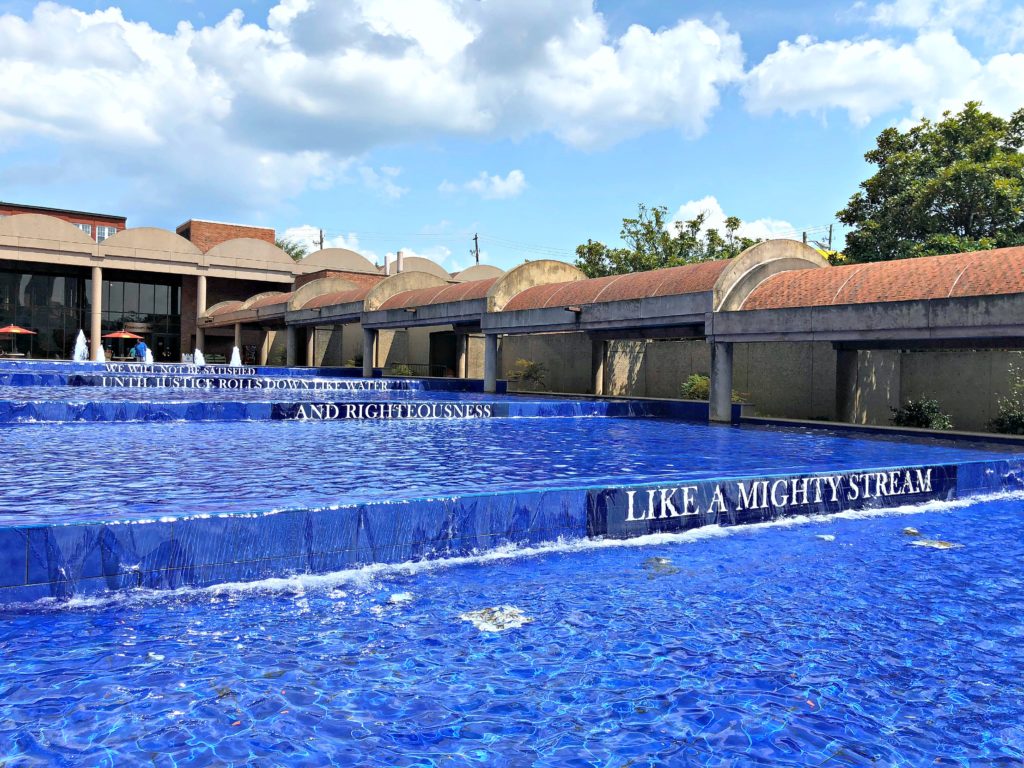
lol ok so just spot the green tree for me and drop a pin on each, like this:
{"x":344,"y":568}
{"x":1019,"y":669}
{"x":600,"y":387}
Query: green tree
{"x":296,"y":250}
{"x":652,"y":243}
{"x":941,"y":187}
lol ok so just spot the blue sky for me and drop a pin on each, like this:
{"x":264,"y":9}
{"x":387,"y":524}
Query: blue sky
{"x":415,"y":123}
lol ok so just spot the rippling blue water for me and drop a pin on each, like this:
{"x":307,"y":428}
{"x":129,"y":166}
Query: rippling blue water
{"x":766,"y":647}
{"x":183,"y":395}
{"x":96,"y":471}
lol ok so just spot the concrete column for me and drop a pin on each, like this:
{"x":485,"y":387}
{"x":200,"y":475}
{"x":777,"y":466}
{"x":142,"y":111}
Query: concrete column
{"x":291,"y":346}
{"x":96,"y":315}
{"x":846,"y":385}
{"x":238,"y":337}
{"x":200,"y":311}
{"x":598,"y":354}
{"x":491,"y":362}
{"x":310,"y":346}
{"x":200,"y":295}
{"x":265,"y":348}
{"x":369,"y":351}
{"x":721,"y":381}
{"x":462,"y":356}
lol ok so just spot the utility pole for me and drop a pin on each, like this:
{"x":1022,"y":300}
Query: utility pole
{"x":321,"y":240}
{"x":476,"y":247}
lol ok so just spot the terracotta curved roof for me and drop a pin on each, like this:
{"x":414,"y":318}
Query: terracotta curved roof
{"x":440,"y":294}
{"x":223,"y":309}
{"x":689,"y":278}
{"x":269,"y":301}
{"x":338,"y":297}
{"x":978,"y":273}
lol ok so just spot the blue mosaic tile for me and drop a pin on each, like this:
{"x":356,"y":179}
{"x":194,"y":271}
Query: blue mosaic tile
{"x":13,"y":556}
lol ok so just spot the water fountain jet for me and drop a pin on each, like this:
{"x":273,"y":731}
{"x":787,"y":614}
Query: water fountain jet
{"x":81,"y":353}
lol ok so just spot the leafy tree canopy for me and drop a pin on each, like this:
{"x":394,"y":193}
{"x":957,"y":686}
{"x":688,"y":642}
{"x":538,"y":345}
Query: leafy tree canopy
{"x":941,"y":187}
{"x":296,"y":250}
{"x":652,"y":244}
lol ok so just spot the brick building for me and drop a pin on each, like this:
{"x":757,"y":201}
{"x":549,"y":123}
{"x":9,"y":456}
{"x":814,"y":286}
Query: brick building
{"x":98,"y":226}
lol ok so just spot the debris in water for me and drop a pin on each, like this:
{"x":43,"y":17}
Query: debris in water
{"x":908,"y":531}
{"x":496,"y":619}
{"x":659,"y":565}
{"x":826,"y":537}
{"x":936,"y":544}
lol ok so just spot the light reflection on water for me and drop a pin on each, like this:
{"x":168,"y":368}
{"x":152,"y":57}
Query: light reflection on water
{"x":756,"y":647}
{"x":100,"y":471}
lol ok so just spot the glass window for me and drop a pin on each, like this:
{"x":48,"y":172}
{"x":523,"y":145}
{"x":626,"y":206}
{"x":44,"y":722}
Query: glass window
{"x":115,"y":297}
{"x":162,"y":300}
{"x":57,"y":295}
{"x":102,"y":233}
{"x":147,"y":299}
{"x":87,"y":228}
{"x":131,"y":298}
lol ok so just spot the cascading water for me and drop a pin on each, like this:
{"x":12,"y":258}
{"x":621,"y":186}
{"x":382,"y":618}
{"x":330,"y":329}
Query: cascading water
{"x":236,"y":358}
{"x":198,"y":358}
{"x":81,"y":354}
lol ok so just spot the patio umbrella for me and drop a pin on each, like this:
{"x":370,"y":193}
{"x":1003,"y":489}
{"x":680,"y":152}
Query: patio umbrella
{"x":16,"y":330}
{"x":121,"y":335}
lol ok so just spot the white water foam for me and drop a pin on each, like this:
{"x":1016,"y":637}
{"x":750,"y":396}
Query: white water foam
{"x":367,"y":576}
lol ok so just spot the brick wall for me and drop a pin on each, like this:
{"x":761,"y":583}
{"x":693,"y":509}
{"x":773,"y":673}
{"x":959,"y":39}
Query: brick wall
{"x":206,"y":234}
{"x":73,"y":217}
{"x":359,"y":278}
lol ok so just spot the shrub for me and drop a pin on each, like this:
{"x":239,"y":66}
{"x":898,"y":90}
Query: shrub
{"x":924,"y":413}
{"x":528,"y":371}
{"x":355,"y":362}
{"x":401,"y":370}
{"x":1009,"y":419}
{"x":698,"y":387}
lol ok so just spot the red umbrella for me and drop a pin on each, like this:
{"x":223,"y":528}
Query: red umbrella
{"x":16,"y":330}
{"x":120,"y":335}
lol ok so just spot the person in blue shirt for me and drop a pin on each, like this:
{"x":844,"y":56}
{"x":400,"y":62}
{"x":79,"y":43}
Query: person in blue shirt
{"x":139,"y":351}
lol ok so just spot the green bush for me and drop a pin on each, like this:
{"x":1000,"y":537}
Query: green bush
{"x":698,"y":387}
{"x":529,"y":372}
{"x":401,"y":370}
{"x":355,"y":362}
{"x":1009,"y":419}
{"x":924,"y":413}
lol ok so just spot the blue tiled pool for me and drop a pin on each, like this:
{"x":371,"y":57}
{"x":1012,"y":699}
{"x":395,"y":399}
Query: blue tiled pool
{"x":770,"y":646}
{"x":400,"y":590}
{"x":76,"y":472}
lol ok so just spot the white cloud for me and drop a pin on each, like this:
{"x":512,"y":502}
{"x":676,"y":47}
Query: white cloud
{"x":383,"y":182}
{"x":309,"y":236}
{"x":253,"y":112}
{"x":941,"y":14}
{"x":715,"y":219}
{"x":490,"y":187}
{"x":868,"y":78}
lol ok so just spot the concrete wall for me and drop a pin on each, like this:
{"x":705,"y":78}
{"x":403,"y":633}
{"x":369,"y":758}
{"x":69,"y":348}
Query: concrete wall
{"x":966,"y":383}
{"x":327,"y":345}
{"x":802,"y":380}
{"x":565,"y":355}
